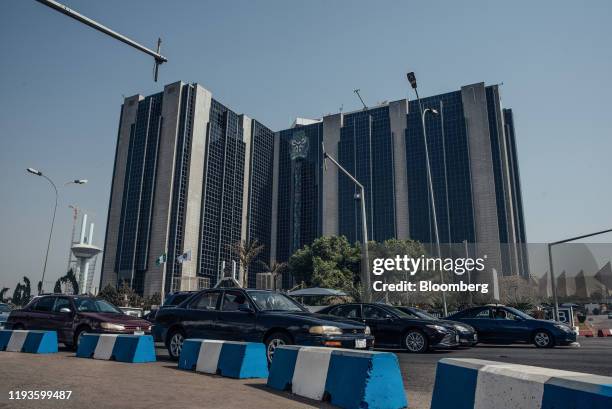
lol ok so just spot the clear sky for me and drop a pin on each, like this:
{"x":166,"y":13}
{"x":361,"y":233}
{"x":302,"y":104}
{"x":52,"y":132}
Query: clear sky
{"x":62,"y":85}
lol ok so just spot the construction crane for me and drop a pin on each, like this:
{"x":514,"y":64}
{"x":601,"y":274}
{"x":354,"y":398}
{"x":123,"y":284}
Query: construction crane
{"x":159,"y":59}
{"x":356,"y":91}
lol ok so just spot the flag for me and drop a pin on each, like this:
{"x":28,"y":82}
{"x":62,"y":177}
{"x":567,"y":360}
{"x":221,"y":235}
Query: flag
{"x":186,"y":256}
{"x":161,"y":259}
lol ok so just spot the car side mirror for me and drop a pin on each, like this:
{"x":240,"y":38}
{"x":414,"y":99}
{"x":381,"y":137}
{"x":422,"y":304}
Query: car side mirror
{"x":65,"y":310}
{"x":245,"y":308}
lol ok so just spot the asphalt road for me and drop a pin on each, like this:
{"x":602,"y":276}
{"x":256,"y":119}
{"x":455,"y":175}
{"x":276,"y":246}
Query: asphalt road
{"x":103,"y":384}
{"x":419,"y":370}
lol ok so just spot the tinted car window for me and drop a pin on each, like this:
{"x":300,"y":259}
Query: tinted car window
{"x":61,"y":303}
{"x":207,"y":301}
{"x":373,"y":313}
{"x":45,"y":304}
{"x":4,"y":308}
{"x":233,"y":299}
{"x":348,"y":311}
{"x":483,"y":314}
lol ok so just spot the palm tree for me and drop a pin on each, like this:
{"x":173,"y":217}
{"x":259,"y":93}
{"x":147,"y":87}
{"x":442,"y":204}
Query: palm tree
{"x":275,"y":269}
{"x":246,"y":251}
{"x":2,"y":292}
{"x":25,"y":296}
{"x":71,"y":278}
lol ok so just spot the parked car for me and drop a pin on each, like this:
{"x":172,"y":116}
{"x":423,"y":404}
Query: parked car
{"x":499,"y":324}
{"x":74,"y":315}
{"x":5,"y":310}
{"x":238,"y":314}
{"x":467,"y":333}
{"x":394,"y":328}
{"x":172,"y":299}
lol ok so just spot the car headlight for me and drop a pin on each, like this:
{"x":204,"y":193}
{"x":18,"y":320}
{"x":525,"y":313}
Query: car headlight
{"x":563,"y":327}
{"x":112,"y":327}
{"x":438,"y":328}
{"x":367,"y":330}
{"x":325,"y":330}
{"x":462,"y":329}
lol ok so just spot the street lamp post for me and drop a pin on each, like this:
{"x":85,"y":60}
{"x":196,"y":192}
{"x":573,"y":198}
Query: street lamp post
{"x":552,"y":273}
{"x":413,"y":84}
{"x":365,"y":270}
{"x":78,"y":182}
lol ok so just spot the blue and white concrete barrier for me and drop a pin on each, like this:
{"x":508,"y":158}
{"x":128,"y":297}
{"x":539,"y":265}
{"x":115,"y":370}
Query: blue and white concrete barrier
{"x":231,"y":359}
{"x":475,"y":383}
{"x":346,"y":378}
{"x":34,"y":342}
{"x":118,"y":347}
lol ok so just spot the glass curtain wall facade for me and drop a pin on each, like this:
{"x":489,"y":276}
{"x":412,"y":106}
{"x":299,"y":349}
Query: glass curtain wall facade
{"x":449,"y":158}
{"x":191,"y":175}
{"x":221,"y":222}
{"x":299,"y":189}
{"x":136,"y":208}
{"x":365,"y":150}
{"x":260,"y":195}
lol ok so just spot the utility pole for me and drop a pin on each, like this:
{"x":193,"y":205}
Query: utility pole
{"x":159,"y":59}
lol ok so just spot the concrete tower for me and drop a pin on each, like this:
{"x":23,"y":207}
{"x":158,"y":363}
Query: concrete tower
{"x":85,"y":253}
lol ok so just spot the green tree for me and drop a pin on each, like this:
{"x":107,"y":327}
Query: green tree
{"x":16,"y":299}
{"x":71,"y":278}
{"x":25,"y":295}
{"x":127,"y":297}
{"x":2,"y":293}
{"x":110,"y":294}
{"x":247,"y":252}
{"x":330,"y":262}
{"x":57,"y":289}
{"x":148,"y":302}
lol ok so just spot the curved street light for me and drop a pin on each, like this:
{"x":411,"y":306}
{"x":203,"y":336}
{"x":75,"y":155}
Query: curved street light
{"x":413,"y":84}
{"x":36,"y":172}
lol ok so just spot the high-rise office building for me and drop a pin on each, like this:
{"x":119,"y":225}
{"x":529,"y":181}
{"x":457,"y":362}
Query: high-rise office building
{"x":474,"y":167}
{"x":191,"y":178}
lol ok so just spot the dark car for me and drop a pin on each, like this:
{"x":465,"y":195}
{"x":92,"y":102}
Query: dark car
{"x":256,"y":316}
{"x":73,"y":315}
{"x":499,"y":324}
{"x":467,"y":333}
{"x":172,"y":299}
{"x":393,"y":328}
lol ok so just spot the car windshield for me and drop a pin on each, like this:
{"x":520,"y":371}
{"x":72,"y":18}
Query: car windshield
{"x":422,"y":314}
{"x":519,"y":313}
{"x":94,"y":305}
{"x":270,"y":301}
{"x":4,"y":308}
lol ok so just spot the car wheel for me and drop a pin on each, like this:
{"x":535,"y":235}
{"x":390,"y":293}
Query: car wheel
{"x":543,"y":339}
{"x":416,"y":341}
{"x":274,"y":341}
{"x":175,"y":344}
{"x":77,"y":338}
